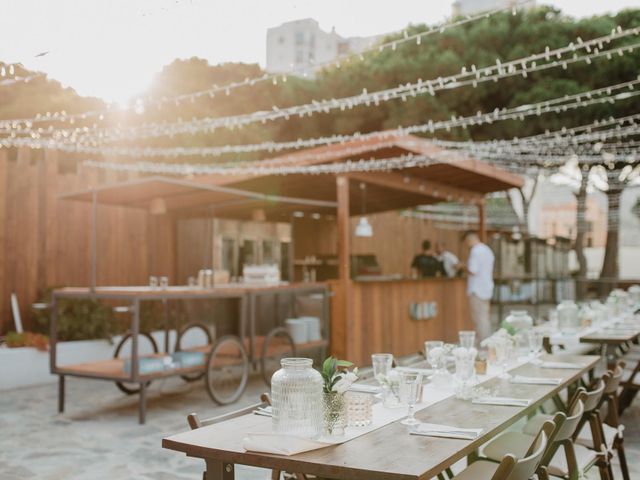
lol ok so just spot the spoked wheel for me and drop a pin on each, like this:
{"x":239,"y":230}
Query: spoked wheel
{"x":227,"y":370}
{"x":193,"y":333}
{"x":146,"y":345}
{"x":277,"y":345}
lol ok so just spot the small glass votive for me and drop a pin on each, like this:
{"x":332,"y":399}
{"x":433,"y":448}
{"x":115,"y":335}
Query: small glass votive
{"x":467,"y":338}
{"x":359,"y":409}
{"x":164,"y":282}
{"x":153,"y":281}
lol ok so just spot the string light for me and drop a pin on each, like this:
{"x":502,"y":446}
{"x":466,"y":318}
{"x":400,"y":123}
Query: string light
{"x":564,"y":103}
{"x":208,"y":124}
{"x":421,"y":87}
{"x":211,"y":92}
{"x":350,"y":166}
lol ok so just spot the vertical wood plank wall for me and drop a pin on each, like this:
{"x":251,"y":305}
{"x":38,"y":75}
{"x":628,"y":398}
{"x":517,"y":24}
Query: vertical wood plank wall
{"x":381,"y":322}
{"x":396,"y":239}
{"x":45,"y":241}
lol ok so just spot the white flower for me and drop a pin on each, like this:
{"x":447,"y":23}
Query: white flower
{"x":341,"y":385}
{"x":351,"y":377}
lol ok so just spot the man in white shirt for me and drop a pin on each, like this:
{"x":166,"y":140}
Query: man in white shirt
{"x":479,"y":269}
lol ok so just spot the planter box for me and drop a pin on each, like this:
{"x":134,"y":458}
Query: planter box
{"x":26,"y":366}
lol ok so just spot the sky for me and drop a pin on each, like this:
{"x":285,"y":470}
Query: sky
{"x":113,"y":48}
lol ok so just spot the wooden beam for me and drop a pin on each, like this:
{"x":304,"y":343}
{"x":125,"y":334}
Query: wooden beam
{"x":417,"y":185}
{"x":482,"y":222}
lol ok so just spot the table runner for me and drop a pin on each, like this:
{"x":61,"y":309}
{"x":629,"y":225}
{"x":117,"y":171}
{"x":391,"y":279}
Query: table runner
{"x":267,"y":441}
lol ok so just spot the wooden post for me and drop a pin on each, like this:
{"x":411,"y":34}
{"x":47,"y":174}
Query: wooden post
{"x":482,"y":221}
{"x":4,"y":308}
{"x":344,"y":267}
{"x":342,"y":318}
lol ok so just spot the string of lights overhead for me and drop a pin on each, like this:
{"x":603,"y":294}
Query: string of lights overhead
{"x":609,"y":94}
{"x":473,"y":76}
{"x":350,"y":166}
{"x":226,"y":89}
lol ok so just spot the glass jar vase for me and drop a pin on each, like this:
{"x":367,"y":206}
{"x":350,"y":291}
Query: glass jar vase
{"x":519,"y":320}
{"x":335,"y":413}
{"x":297,"y":400}
{"x":568,"y":317}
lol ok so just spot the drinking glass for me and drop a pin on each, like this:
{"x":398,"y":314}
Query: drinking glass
{"x":382,"y":363}
{"x":467,"y":338}
{"x":164,"y":282}
{"x":434,"y":353}
{"x":536,"y":338}
{"x":410,"y":383}
{"x":153,"y":281}
{"x":359,"y":409}
{"x":504,"y":348}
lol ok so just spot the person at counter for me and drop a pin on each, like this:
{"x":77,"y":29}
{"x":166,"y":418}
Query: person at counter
{"x":449,"y":260}
{"x":479,"y":269}
{"x":425,"y":264}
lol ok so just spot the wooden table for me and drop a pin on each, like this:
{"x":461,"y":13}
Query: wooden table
{"x":612,"y":338}
{"x":388,"y":453}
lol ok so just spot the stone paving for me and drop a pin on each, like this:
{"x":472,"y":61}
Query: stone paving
{"x":99,"y":438}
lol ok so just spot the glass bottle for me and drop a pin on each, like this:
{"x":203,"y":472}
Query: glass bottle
{"x":296,"y":397}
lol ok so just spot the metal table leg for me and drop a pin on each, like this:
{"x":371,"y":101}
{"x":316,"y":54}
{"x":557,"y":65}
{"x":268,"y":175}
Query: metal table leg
{"x":60,"y":393}
{"x":142,"y":403}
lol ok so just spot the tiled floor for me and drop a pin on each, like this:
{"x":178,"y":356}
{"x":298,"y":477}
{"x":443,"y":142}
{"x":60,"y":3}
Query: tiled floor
{"x":99,"y":438}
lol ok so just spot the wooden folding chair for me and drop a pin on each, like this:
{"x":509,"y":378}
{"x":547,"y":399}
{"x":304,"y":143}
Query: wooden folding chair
{"x":609,"y":412}
{"x":195,"y":423}
{"x":511,"y":467}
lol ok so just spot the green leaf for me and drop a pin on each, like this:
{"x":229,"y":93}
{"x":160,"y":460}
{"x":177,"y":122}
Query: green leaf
{"x":345,"y":363}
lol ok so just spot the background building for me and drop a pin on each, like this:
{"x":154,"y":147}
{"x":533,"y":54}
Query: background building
{"x":299,"y":46}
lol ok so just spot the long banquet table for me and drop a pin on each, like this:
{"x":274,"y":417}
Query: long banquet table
{"x":389,"y":452}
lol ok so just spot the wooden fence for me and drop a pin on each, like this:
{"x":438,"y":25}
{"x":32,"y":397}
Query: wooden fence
{"x":45,"y":241}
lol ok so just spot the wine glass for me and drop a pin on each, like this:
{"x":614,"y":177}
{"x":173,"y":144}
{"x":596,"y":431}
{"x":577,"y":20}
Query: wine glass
{"x":410,"y":383}
{"x":467,"y":338}
{"x":504,"y":348}
{"x":536,"y":338}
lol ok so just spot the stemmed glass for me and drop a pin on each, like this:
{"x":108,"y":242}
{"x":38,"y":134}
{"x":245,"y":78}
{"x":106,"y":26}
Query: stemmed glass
{"x":504,"y":348}
{"x":434,"y":353}
{"x":410,"y":383}
{"x":536,"y":338}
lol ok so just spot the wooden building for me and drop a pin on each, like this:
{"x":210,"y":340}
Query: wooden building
{"x":45,"y":240}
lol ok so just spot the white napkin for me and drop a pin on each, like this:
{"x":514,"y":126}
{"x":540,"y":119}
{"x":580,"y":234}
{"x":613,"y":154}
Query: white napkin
{"x":506,"y":401}
{"x":561,"y":365}
{"x":535,"y":380}
{"x":364,"y":388}
{"x":280,"y":444}
{"x":435,"y":430}
{"x":421,"y":371}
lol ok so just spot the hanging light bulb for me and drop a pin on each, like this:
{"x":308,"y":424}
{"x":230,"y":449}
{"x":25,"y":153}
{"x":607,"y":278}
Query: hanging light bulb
{"x":364,"y":229}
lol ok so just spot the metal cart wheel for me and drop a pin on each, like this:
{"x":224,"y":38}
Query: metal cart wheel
{"x":192,"y":377}
{"x":124,"y":386}
{"x":227,"y":370}
{"x":277,"y":345}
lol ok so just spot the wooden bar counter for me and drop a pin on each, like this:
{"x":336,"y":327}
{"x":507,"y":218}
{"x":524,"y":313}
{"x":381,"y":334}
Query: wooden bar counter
{"x":383,"y":316}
